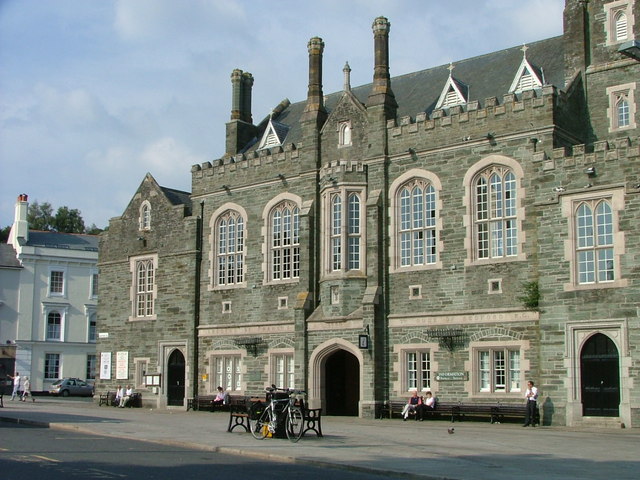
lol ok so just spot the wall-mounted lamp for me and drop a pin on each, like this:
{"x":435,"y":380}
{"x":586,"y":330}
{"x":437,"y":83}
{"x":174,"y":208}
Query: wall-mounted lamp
{"x":491,"y":135}
{"x":226,"y":188}
{"x":559,"y":189}
{"x":280,"y":176}
{"x":466,"y":138}
{"x":591,"y":171}
{"x":637,"y":186}
{"x":363,"y":339}
{"x":588,"y":185}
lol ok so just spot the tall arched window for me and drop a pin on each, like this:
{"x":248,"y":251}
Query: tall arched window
{"x":594,"y":246}
{"x":145,"y":216}
{"x":145,"y":278}
{"x":417,"y":223}
{"x":230,"y":233}
{"x":344,"y":133}
{"x":345,"y":231}
{"x":495,"y":213}
{"x":54,"y":326}
{"x":285,"y":241}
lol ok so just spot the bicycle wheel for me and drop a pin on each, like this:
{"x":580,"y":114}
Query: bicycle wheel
{"x":260,"y":428}
{"x":295,"y":424}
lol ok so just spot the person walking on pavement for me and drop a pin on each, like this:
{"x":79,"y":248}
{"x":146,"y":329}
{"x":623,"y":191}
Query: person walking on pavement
{"x":26,"y":391}
{"x":17,"y":380}
{"x":531,"y":396}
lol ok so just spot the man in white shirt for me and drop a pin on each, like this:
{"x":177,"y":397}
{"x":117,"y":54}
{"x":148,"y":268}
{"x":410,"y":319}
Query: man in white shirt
{"x":16,"y":385}
{"x":531,"y":396}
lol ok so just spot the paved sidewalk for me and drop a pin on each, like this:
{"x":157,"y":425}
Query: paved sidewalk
{"x":476,"y":450}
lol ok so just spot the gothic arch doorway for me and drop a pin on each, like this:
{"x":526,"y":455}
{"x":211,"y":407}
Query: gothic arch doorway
{"x":175,"y":378}
{"x":342,"y":383}
{"x":600,"y":377}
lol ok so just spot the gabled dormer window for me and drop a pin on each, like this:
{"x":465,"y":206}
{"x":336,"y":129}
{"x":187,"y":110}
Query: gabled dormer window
{"x":454,"y":92}
{"x":274,"y":135}
{"x":528,"y":77}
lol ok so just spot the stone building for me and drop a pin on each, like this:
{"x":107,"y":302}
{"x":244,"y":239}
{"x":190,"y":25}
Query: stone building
{"x":460,"y":229}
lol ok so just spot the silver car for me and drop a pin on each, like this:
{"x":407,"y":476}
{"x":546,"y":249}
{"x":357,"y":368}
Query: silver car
{"x":71,"y":386}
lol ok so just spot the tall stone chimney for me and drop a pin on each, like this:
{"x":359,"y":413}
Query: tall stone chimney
{"x":577,"y":48}
{"x":314,"y":109}
{"x":240,"y":129}
{"x":381,"y":93}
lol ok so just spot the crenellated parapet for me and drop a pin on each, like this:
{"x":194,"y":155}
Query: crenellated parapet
{"x":623,"y":150}
{"x":244,"y":168}
{"x":474,"y":119}
{"x":343,"y":171}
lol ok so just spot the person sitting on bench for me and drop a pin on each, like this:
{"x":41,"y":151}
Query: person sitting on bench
{"x":221,"y":397}
{"x":413,"y":405}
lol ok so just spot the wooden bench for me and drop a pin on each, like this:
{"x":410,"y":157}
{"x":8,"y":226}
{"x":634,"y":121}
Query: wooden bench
{"x":457,"y":411}
{"x":239,"y":413}
{"x":107,"y":399}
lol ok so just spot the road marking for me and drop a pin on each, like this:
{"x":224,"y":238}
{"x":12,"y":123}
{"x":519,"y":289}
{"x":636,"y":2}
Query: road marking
{"x":46,"y":459}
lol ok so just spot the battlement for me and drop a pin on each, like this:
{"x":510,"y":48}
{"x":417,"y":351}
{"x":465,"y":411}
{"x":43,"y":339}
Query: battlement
{"x":472,"y":114}
{"x":242,"y":162}
{"x":340,"y":167}
{"x":589,"y":155}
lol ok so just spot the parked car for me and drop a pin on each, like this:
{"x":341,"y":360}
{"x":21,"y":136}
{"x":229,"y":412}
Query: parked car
{"x":71,"y":386}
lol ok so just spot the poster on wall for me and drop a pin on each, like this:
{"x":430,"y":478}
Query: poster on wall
{"x":122,"y":365}
{"x":105,"y":366}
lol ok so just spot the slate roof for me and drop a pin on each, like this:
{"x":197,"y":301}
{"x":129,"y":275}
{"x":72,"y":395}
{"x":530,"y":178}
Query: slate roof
{"x":8,"y":257}
{"x":68,"y":241}
{"x":486,"y":76}
{"x":177,"y":197}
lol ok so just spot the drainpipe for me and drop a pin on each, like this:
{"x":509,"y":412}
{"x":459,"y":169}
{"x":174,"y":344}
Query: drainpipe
{"x":196,"y":299}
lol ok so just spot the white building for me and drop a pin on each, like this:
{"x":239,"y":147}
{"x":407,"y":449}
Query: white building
{"x":50,"y":328}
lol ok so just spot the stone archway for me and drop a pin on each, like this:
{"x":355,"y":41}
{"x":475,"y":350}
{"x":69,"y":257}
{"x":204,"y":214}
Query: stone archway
{"x":600,"y":377}
{"x":175,"y":378}
{"x":335,"y":378}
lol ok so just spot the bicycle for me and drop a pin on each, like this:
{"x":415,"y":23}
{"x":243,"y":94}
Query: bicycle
{"x":281,"y":402}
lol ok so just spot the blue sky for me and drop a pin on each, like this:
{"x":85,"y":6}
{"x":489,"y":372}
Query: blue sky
{"x":96,"y":93}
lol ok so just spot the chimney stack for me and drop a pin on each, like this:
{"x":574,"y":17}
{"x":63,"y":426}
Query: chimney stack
{"x":381,"y":93}
{"x":315,"y":98}
{"x":20,"y":227}
{"x":240,"y":129}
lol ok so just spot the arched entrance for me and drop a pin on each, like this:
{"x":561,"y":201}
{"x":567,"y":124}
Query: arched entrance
{"x":600,"y":377}
{"x":175,"y":378}
{"x":342,"y":383}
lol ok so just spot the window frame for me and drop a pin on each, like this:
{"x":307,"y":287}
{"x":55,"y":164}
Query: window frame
{"x":92,"y":366}
{"x":144,"y":218}
{"x":51,"y":336}
{"x":570,"y":205}
{"x":345,"y":134}
{"x":284,"y":358}
{"x":611,"y":27}
{"x":422,"y":380}
{"x":218,"y":377}
{"x":150,"y":294}
{"x":491,"y":370}
{"x":485,"y":167}
{"x":289,"y":254}
{"x":239,"y":254}
{"x":49,"y":370}
{"x":57,"y":287}
{"x":344,"y":230}
{"x":617,"y":94}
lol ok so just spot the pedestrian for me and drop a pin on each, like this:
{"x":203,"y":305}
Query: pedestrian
{"x":17,"y":380}
{"x":531,"y":396}
{"x":26,"y":391}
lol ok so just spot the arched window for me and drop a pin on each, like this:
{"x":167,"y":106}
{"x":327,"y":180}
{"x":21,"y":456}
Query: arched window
{"x":594,"y":246}
{"x":495,"y":213}
{"x":229,"y":248}
{"x":622,"y":111}
{"x":620,"y":26}
{"x":145,"y":279}
{"x":417,"y":240}
{"x":285,"y":241}
{"x":145,"y":216}
{"x":344,"y":133}
{"x":345,"y":231}
{"x":54,"y":326}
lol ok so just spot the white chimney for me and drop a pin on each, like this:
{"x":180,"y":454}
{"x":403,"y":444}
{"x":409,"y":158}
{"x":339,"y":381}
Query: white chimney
{"x":20,"y":229}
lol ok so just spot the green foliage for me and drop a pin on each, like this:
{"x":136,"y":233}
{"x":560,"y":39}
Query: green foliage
{"x":4,"y":234}
{"x":40,"y":216}
{"x":68,"y":221}
{"x":531,"y":295}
